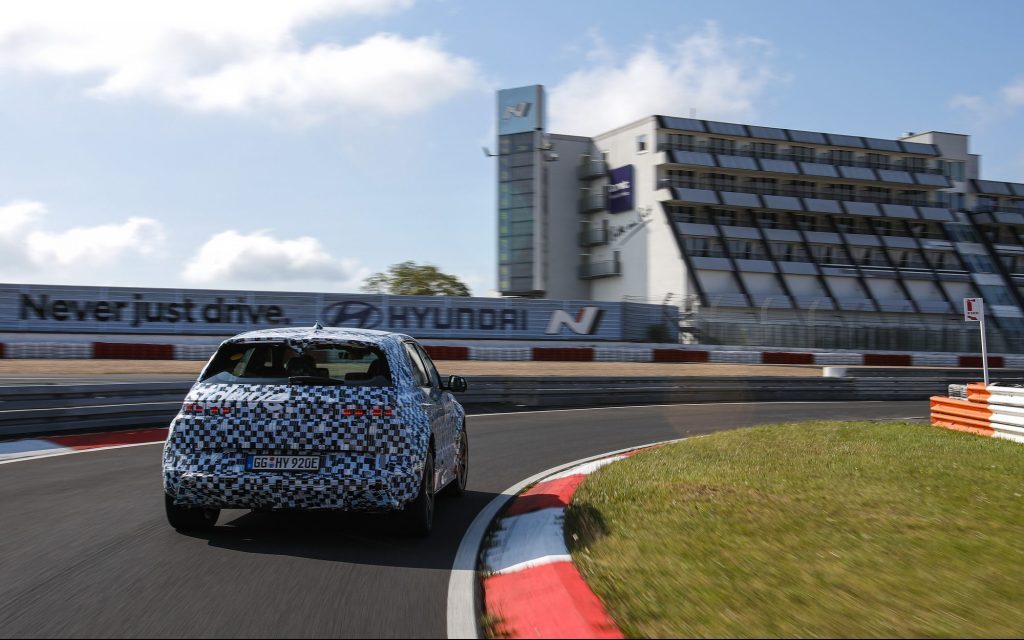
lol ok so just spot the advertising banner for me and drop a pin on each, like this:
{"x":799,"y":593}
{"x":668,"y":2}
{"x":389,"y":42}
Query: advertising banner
{"x":620,"y":189}
{"x":59,"y":309}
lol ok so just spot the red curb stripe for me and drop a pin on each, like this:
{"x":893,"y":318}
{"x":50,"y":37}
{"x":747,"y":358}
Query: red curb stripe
{"x":974,"y":362}
{"x":679,"y":355}
{"x":784,"y":357}
{"x":545,"y":495}
{"x":97,"y":440}
{"x":563,"y":354}
{"x":447,"y":353}
{"x":132,"y":351}
{"x":549,"y":601}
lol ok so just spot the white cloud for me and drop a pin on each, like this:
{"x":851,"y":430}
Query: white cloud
{"x":383,"y":74}
{"x":980,"y":109}
{"x":984,"y":110}
{"x":478,"y":285}
{"x":231,"y":55}
{"x":95,"y":246}
{"x":962,"y":101}
{"x":16,"y":217}
{"x":259,"y":258}
{"x":1013,"y":93}
{"x":26,"y":248}
{"x":722,"y":78}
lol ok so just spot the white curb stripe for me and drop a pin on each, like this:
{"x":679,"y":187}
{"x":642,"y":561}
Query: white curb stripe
{"x":538,"y":562}
{"x":28,"y":448}
{"x":525,"y":540}
{"x":585,"y":469}
{"x":68,"y":452}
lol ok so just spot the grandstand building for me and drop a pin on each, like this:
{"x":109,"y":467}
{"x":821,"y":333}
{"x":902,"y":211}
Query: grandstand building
{"x":761,"y":234}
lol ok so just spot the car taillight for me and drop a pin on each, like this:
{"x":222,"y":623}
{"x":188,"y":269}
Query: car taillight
{"x":379,"y":411}
{"x":197,"y":409}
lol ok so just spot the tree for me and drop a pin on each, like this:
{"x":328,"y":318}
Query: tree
{"x":411,"y":279}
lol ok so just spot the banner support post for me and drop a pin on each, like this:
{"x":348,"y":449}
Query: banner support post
{"x":984,"y":347}
{"x":974,"y":311}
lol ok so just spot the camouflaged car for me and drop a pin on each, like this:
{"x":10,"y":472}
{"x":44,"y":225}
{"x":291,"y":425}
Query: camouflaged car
{"x":344,"y":419}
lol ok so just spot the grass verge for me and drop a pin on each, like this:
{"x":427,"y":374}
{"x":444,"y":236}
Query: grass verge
{"x":811,"y":529}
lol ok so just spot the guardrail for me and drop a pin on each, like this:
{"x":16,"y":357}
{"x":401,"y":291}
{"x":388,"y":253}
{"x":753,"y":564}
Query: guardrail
{"x":26,"y":410}
{"x":80,"y":407}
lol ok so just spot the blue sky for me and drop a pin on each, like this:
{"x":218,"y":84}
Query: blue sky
{"x":303,"y":145}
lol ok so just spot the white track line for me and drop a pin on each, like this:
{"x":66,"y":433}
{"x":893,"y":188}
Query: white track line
{"x":54,"y":454}
{"x":680,"y":404}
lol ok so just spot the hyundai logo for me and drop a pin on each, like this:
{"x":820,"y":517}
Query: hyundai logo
{"x":353,"y":313}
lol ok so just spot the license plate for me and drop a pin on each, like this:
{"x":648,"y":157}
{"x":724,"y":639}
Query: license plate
{"x":282,"y":463}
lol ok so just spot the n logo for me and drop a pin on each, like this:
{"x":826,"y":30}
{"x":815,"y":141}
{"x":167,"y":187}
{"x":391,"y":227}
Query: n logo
{"x":585,"y":323}
{"x":520,"y":110}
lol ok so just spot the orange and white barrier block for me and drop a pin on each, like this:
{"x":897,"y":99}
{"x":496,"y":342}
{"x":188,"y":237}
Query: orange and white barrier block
{"x":994,"y":410}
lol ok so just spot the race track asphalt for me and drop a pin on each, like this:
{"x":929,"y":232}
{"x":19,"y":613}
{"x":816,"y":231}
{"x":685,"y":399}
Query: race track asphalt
{"x":85,"y":550}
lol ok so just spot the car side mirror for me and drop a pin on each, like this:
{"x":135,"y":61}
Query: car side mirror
{"x":456,"y":384}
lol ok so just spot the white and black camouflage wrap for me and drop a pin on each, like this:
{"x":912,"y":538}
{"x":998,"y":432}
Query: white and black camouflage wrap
{"x":368,"y":462}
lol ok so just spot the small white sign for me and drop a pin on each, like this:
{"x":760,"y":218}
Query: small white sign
{"x":974,"y":309}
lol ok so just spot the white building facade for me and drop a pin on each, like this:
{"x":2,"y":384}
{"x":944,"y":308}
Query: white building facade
{"x":741,"y":224}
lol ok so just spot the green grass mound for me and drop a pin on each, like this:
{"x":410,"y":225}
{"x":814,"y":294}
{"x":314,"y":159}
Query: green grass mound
{"x":810,"y":529}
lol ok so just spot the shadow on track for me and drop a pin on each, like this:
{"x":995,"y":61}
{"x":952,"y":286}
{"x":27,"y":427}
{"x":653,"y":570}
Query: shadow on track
{"x":368,"y":539}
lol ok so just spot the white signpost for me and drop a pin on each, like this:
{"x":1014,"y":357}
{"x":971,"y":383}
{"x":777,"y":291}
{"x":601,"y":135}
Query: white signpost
{"x":974,"y":311}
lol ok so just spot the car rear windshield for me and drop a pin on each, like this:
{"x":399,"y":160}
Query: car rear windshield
{"x":280,"y":363}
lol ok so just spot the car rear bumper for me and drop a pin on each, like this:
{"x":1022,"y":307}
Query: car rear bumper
{"x":346,"y":481}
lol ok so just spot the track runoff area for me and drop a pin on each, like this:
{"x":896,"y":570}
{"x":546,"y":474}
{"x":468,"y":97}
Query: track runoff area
{"x":86,"y":550}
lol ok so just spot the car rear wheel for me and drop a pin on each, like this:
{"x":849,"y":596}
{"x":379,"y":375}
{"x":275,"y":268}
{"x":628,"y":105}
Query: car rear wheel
{"x":418,"y":516}
{"x":189,"y":519}
{"x":458,"y":485}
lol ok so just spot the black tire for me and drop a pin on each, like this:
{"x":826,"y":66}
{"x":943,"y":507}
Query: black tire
{"x":457,"y":487}
{"x":417,"y":518}
{"x":189,"y":519}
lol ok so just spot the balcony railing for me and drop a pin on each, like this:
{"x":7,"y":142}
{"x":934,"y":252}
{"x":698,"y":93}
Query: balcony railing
{"x":589,"y":169}
{"x":820,"y":158}
{"x":593,"y":202}
{"x":593,"y":237}
{"x":787,"y":190}
{"x":873,"y":262}
{"x":602,"y":269}
{"x":706,"y":253}
{"x":998,"y":208}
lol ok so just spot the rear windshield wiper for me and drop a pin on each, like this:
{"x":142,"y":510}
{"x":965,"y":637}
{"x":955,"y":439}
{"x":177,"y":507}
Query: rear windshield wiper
{"x":315,"y":380}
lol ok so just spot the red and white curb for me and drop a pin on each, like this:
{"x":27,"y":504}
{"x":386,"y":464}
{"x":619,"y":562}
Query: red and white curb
{"x":28,"y":449}
{"x":547,"y":351}
{"x":531,"y":588}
